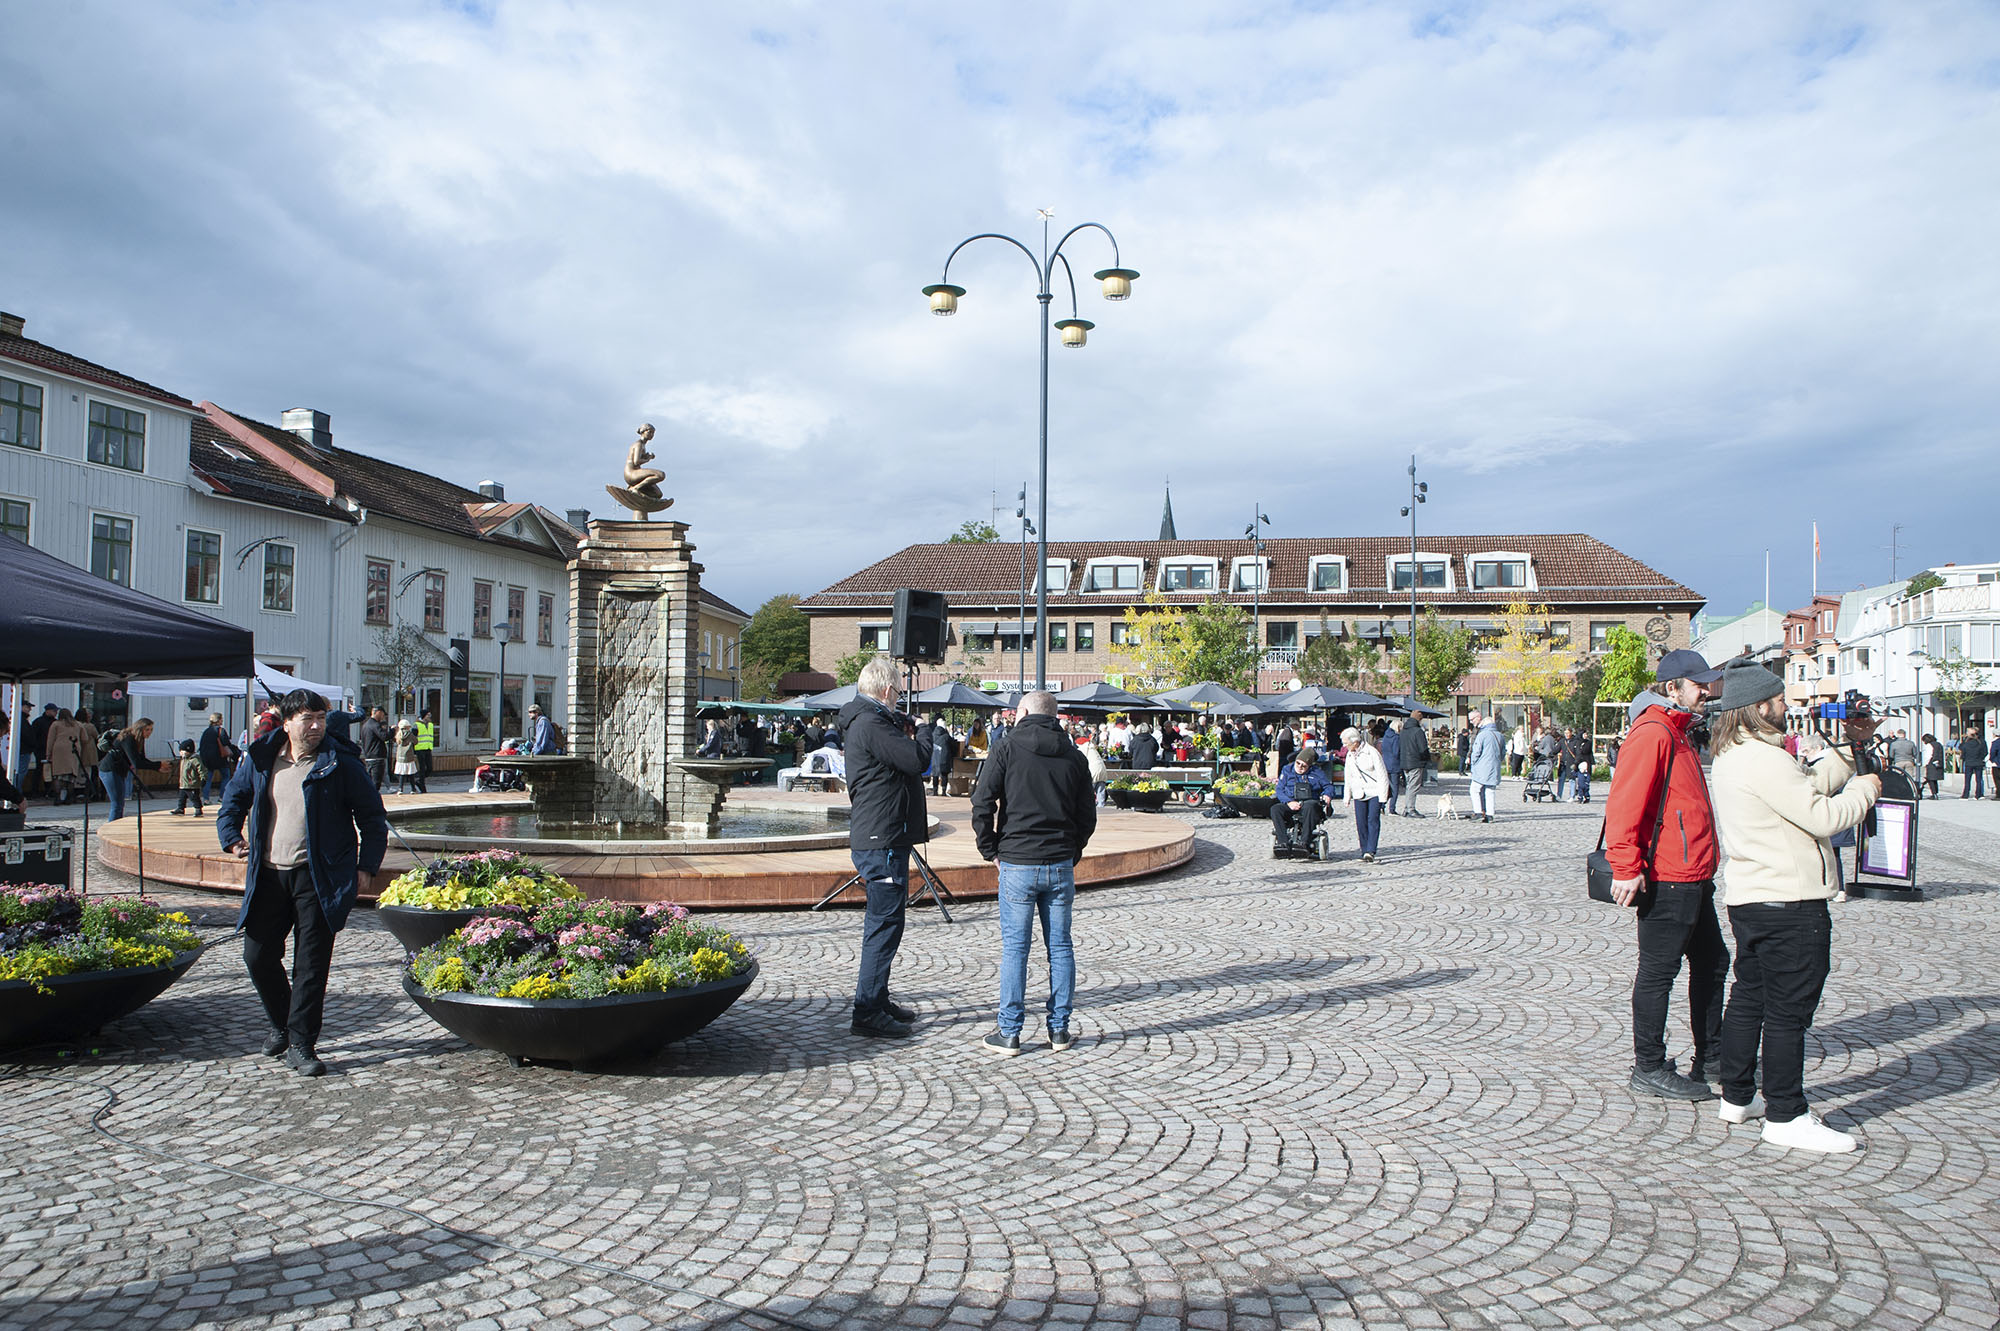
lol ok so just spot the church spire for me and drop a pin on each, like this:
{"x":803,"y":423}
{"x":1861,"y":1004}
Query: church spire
{"x":1167,"y":532}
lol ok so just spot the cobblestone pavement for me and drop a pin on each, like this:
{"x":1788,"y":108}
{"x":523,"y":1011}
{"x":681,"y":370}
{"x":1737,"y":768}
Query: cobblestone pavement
{"x":1388,"y":1095}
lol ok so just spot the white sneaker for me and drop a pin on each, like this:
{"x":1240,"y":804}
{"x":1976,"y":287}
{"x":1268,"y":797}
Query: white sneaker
{"x":1730,"y":1113}
{"x":1807,"y":1133}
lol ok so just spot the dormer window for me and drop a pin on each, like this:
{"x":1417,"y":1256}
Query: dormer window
{"x":1433,"y":572}
{"x":1250,"y":573}
{"x":1327,"y":573}
{"x":1188,"y":575}
{"x":1111,"y":575}
{"x":1500,"y":570}
{"x":1057,"y":574}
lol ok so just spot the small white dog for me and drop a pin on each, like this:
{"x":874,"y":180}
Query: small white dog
{"x":1445,"y":807}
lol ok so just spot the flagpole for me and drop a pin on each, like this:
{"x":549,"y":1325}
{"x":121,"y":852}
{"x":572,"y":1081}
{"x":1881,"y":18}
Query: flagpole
{"x":1815,"y":561}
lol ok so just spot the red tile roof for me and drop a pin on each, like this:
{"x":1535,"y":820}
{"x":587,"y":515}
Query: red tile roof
{"x":1569,"y":568}
{"x":29,"y":352}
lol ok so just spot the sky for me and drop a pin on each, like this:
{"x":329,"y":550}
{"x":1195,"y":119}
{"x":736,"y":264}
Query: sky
{"x":1688,"y":277}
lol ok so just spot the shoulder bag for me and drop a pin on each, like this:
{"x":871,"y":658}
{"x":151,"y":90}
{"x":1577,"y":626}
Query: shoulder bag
{"x":1597,"y":872}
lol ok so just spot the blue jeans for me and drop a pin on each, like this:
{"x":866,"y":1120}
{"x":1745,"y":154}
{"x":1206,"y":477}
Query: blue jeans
{"x":887,"y":876}
{"x":1395,"y":782}
{"x":121,"y":785}
{"x":1028,"y":890}
{"x":1368,"y":824}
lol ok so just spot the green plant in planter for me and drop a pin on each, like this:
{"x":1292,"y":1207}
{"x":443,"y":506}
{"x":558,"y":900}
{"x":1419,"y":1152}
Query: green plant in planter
{"x":1247,"y":786}
{"x":580,"y":949}
{"x":489,"y":878}
{"x":1138,"y":784}
{"x":49,"y":931}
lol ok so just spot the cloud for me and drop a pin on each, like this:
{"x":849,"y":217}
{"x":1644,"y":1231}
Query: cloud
{"x":766,"y":414}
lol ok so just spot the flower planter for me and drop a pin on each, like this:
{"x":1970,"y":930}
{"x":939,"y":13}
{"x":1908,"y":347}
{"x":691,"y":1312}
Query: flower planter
{"x":1250,"y":806}
{"x":580,"y":1030}
{"x":417,"y":928}
{"x":83,"y":1003}
{"x":1151,"y":801}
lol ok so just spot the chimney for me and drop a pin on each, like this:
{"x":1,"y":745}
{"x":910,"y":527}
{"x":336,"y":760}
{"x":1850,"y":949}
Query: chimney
{"x":12,"y":324}
{"x":315,"y":427}
{"x":578,"y":518}
{"x":494,"y":491}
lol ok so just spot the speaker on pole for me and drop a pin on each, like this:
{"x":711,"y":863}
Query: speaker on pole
{"x":916,"y":631}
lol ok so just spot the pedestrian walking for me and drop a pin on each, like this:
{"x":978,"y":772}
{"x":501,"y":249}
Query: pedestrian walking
{"x":1517,"y":748}
{"x":1085,"y":740}
{"x":1414,"y":751}
{"x":377,"y":740}
{"x":1483,"y":765}
{"x":1777,"y":815}
{"x":1933,"y":760}
{"x":1906,"y":760}
{"x":1386,"y":736}
{"x":887,"y":819}
{"x":1582,"y":757}
{"x":1033,"y":812}
{"x":35,"y":751}
{"x":93,"y":749}
{"x":1364,"y":787}
{"x":1972,"y":757}
{"x":404,"y":746}
{"x":306,"y":820}
{"x":122,"y":765}
{"x":64,"y":745}
{"x":1671,"y":879}
{"x":426,"y":742}
{"x":193,"y":776}
{"x":1145,"y":750}
{"x":212,"y":747}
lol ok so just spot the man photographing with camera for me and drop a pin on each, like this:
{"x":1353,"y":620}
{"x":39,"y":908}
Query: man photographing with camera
{"x":887,"y":817}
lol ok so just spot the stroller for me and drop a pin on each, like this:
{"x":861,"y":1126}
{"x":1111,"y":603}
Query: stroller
{"x":494,"y":776}
{"x":1541,"y":781}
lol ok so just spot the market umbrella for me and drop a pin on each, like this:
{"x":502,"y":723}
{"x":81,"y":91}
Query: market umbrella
{"x":1205,"y":694}
{"x":1326,"y":698}
{"x":1408,"y":704}
{"x":830,"y":701}
{"x":1248,"y":707}
{"x":951,"y":693}
{"x":1100,"y":696}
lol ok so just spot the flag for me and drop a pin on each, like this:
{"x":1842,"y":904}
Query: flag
{"x":1815,"y":543}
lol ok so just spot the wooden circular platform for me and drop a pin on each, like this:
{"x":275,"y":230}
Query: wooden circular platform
{"x":1127,"y":845}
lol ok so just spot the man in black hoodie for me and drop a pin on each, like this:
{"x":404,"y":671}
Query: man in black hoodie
{"x":1032,"y":814}
{"x":1414,"y":753}
{"x":886,"y":817}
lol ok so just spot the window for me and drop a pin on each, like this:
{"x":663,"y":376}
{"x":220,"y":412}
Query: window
{"x":1329,"y":573}
{"x":14,"y":514}
{"x":479,"y":721}
{"x":1058,"y":637}
{"x":1954,"y":641}
{"x":204,"y":567}
{"x":1861,"y":657}
{"x":1600,"y":634}
{"x":278,"y":562}
{"x":1249,"y":573}
{"x":1559,"y":630}
{"x":1086,"y":637}
{"x":1433,"y":573}
{"x":1016,"y":638}
{"x":1281,"y":633}
{"x":510,"y":705}
{"x":1499,"y":573}
{"x":517,"y":614}
{"x":111,"y":548}
{"x":433,"y":602}
{"x":545,"y":619}
{"x":1058,"y":574}
{"x":1187,"y":577}
{"x":117,"y":437}
{"x":875,"y":637}
{"x":1801,"y":674}
{"x":378,"y":591}
{"x":482,"y":609}
{"x":976,"y":639}
{"x":1826,"y":621}
{"x":1121,"y":633}
{"x":545,"y":694}
{"x":1111,"y":576}
{"x":20,"y":413}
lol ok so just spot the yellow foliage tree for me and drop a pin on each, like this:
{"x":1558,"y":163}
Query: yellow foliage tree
{"x":1530,"y":662}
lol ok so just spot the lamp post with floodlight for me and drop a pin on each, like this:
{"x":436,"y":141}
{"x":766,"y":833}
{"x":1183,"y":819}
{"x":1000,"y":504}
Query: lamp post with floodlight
{"x":1075,"y":331}
{"x":1021,"y":612}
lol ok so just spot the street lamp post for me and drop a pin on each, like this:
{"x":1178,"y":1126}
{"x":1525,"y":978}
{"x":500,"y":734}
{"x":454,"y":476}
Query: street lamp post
{"x":1075,"y":331}
{"x":1258,"y":518}
{"x":505,"y":633}
{"x":1021,"y":612}
{"x":1419,"y":493}
{"x":1918,"y":658}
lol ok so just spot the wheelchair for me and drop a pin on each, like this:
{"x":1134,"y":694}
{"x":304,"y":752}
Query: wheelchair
{"x":1320,"y":848}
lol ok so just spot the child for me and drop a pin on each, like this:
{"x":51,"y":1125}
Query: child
{"x":193,"y":774}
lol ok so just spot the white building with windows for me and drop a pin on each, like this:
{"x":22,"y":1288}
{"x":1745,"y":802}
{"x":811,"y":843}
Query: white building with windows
{"x":1891,"y":642}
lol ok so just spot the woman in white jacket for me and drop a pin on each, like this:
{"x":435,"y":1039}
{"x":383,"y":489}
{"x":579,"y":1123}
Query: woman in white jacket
{"x":1366,"y":786}
{"x":1776,"y":813}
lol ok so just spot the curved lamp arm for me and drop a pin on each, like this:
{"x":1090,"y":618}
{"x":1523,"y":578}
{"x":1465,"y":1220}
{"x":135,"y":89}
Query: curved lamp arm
{"x":994,"y":235}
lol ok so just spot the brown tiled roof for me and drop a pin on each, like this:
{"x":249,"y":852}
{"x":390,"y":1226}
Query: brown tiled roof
{"x":382,"y":487}
{"x":239,"y":473}
{"x":1569,"y":567}
{"x":29,"y":352}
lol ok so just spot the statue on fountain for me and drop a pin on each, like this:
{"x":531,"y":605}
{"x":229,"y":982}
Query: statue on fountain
{"x":641,"y":492}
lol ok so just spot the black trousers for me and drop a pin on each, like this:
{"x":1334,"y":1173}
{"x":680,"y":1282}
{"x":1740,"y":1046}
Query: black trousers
{"x":1975,"y":780}
{"x":284,"y":902}
{"x":424,"y":771}
{"x":1783,"y":953}
{"x":886,"y":874}
{"x":378,"y":771}
{"x":1306,"y":818}
{"x":1677,"y":920}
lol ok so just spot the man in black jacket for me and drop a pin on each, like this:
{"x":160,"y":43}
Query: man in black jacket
{"x":1415,"y":751}
{"x":376,"y":739}
{"x":1032,"y":814}
{"x":213,"y":750}
{"x":1972,"y":755}
{"x":886,"y":817}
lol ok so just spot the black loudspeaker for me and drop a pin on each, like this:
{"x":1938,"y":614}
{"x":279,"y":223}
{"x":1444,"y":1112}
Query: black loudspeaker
{"x":916,"y":633}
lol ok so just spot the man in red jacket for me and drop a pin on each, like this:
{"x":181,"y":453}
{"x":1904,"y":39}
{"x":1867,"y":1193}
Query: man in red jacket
{"x":1659,"y":835}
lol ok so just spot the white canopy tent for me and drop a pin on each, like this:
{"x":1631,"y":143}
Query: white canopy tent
{"x":271,"y":682}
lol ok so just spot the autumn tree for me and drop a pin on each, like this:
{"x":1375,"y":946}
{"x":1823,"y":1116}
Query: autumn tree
{"x":1530,"y":661}
{"x":1445,"y":656}
{"x":1625,"y":671}
{"x":1960,"y":682}
{"x":1341,"y":662}
{"x":1167,"y":646}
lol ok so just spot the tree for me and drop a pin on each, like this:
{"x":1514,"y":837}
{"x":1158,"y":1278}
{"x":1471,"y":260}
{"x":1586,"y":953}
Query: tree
{"x":1959,"y":683}
{"x":1167,"y":647}
{"x":778,"y":636}
{"x":974,"y":532}
{"x":406,"y":656}
{"x":848,"y":668}
{"x":1342,"y":663}
{"x":1445,"y":656}
{"x":1530,"y":662}
{"x":1923,"y":582}
{"x":1624,"y":670}
{"x":1579,"y":706}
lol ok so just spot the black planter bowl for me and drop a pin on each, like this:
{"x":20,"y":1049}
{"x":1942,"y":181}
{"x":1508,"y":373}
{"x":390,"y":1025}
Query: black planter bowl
{"x":1151,"y":801}
{"x":1250,"y":806}
{"x":580,"y":1030}
{"x":83,"y":1003}
{"x":417,"y":928}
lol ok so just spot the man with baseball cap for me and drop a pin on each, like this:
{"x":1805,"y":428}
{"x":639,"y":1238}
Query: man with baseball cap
{"x":1659,"y":835}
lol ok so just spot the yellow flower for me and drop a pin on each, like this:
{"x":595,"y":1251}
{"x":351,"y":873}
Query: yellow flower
{"x":709,"y":964}
{"x":536,"y":986}
{"x":450,"y":977}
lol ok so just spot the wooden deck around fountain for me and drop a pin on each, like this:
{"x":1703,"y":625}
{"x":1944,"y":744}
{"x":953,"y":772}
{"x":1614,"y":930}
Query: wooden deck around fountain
{"x":1127,"y":845}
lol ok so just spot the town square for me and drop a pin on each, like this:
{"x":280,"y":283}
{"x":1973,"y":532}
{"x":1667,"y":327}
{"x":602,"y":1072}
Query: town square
{"x":1397,"y":731}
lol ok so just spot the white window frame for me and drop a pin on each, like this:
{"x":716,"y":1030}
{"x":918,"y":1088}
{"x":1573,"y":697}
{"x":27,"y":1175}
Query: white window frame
{"x":1213,"y":565}
{"x":1473,"y":561}
{"x":1091,"y":566}
{"x":867,"y":626}
{"x":144,"y":414}
{"x":1061,"y":583}
{"x":388,"y":585}
{"x":220,"y":563}
{"x":1313,"y":566}
{"x":1392,"y":562}
{"x":263,"y":569}
{"x":1262,"y":563}
{"x":90,"y":543}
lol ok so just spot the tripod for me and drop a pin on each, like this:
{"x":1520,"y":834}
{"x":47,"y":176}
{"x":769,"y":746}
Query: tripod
{"x":928,"y":885}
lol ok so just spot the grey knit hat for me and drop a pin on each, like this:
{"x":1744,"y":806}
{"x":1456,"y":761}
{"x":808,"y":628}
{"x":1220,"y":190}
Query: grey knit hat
{"x":1744,"y":686}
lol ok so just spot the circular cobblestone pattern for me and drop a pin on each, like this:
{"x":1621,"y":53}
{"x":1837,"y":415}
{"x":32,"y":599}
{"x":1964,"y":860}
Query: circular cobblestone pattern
{"x":1304,"y":1095}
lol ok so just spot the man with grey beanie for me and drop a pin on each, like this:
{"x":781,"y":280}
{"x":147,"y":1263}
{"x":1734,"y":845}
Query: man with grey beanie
{"x":1776,"y":814}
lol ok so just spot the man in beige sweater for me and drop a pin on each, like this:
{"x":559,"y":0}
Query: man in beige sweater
{"x":1775,"y":814}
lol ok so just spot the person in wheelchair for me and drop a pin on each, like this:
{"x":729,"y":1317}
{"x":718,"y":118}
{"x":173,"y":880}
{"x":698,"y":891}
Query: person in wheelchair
{"x":1304,"y":797}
